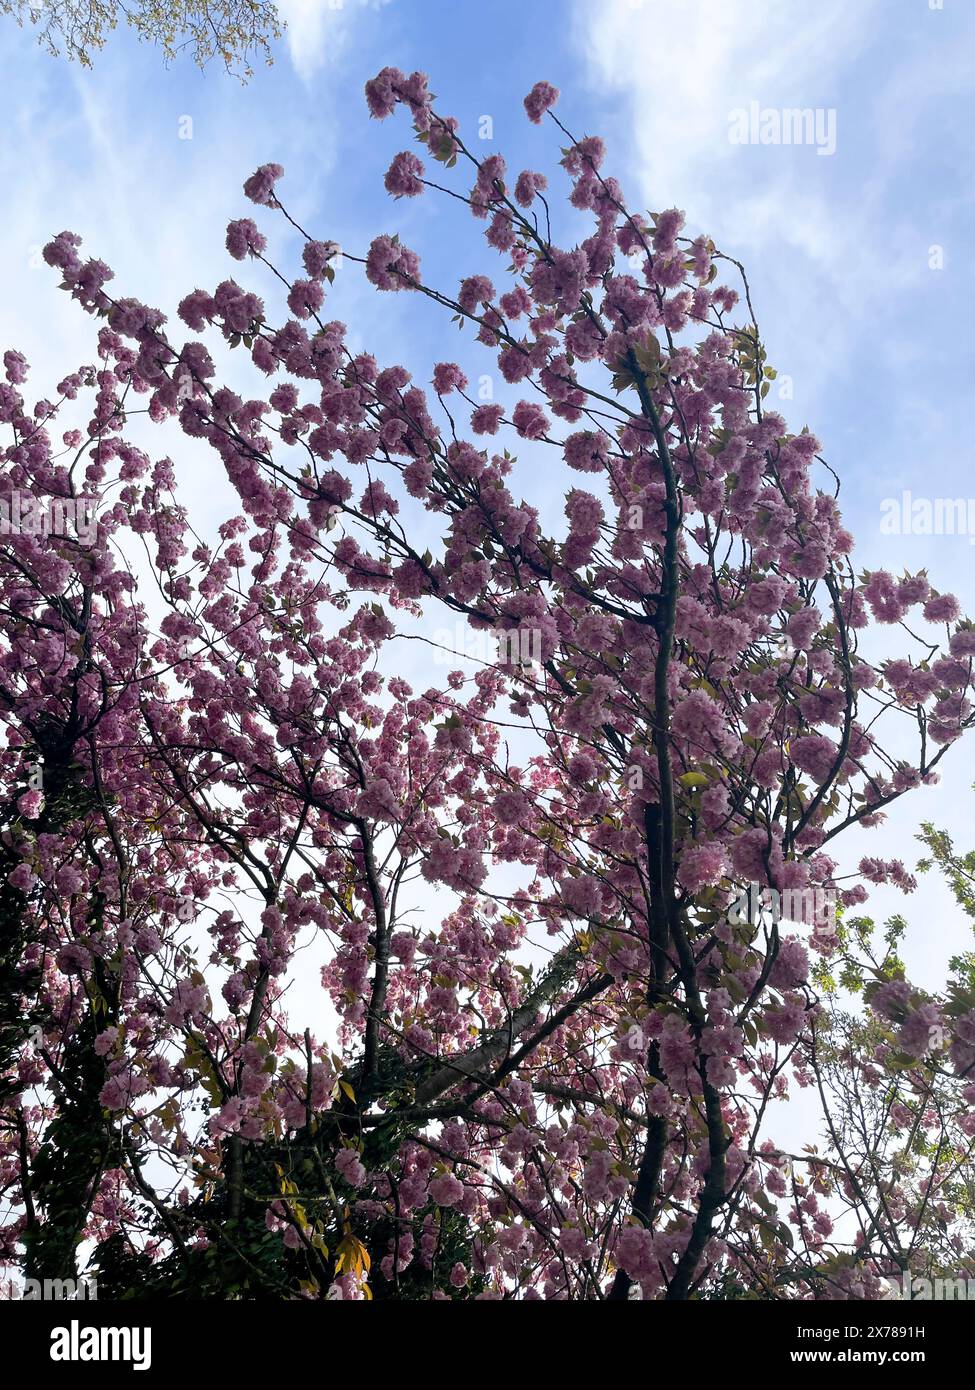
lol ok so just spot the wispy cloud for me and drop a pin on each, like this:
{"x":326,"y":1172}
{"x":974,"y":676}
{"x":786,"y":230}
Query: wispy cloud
{"x":319,"y":31}
{"x":678,"y":72}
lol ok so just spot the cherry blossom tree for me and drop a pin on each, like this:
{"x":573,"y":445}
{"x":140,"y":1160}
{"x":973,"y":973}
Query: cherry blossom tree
{"x":574,"y":912}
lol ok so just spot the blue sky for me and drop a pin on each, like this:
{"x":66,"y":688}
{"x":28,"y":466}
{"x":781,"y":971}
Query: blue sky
{"x":878,"y":345}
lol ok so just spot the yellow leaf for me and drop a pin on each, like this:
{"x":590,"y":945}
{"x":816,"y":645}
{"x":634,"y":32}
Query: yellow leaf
{"x":352,"y":1255}
{"x":693,"y":780}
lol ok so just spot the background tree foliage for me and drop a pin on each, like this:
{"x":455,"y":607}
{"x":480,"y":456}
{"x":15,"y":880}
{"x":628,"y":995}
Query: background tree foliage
{"x":233,"y":31}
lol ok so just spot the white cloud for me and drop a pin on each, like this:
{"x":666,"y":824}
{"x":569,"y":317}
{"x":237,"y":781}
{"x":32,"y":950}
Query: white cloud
{"x":683,"y":68}
{"x":318,"y":31}
{"x":680,"y":71}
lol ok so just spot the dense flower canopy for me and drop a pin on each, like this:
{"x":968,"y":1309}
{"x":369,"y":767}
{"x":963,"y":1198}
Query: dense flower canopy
{"x":557,"y":1031}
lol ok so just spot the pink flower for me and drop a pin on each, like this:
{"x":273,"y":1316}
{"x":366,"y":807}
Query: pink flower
{"x":699,"y":720}
{"x":962,"y":644}
{"x":30,"y":804}
{"x":382,"y":92}
{"x":510,"y":807}
{"x":446,"y":1191}
{"x":15,"y":367}
{"x":530,"y":420}
{"x":227,"y":1119}
{"x":587,"y":451}
{"x":114,"y":1095}
{"x":668,"y":225}
{"x":462,"y":868}
{"x":486,"y":419}
{"x":677,"y":1050}
{"x":701,"y":866}
{"x":404,"y":176}
{"x":69,"y":880}
{"x":348,"y":1164}
{"x":881,"y":592}
{"x":527,"y":185}
{"x":105,"y":1041}
{"x":942,"y":608}
{"x":74,"y":958}
{"x":402,"y":945}
{"x":585,"y":512}
{"x":791,"y":966}
{"x":390,"y":265}
{"x":447,"y":377}
{"x":316,"y":257}
{"x":244,"y":239}
{"x":196,"y":309}
{"x":815,"y":754}
{"x":23,"y":877}
{"x":921,"y":1030}
{"x":914,"y":589}
{"x":891,"y":999}
{"x":541,"y":97}
{"x":260,"y":186}
{"x":305,"y":298}
{"x":474,"y":292}
{"x":582,"y":768}
{"x":747,"y":853}
{"x":378,"y":801}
